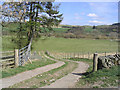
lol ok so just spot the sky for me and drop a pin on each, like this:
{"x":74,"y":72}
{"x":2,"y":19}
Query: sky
{"x":89,"y":13}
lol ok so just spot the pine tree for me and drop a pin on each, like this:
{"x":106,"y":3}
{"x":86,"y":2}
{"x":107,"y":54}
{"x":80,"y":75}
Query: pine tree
{"x":94,"y":27}
{"x":31,"y":16}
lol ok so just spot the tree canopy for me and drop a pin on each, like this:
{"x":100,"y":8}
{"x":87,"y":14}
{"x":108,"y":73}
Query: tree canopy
{"x":31,"y":16}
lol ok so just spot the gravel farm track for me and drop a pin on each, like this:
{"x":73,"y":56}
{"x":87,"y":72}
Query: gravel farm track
{"x":67,"y":81}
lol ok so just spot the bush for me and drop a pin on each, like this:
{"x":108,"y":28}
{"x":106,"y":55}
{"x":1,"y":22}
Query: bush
{"x":69,"y":35}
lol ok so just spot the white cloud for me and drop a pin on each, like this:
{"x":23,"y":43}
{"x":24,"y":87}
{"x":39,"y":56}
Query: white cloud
{"x":95,"y":22}
{"x":92,"y":15}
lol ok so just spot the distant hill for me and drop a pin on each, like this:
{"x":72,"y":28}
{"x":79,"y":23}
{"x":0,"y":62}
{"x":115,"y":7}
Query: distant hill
{"x":116,"y":24}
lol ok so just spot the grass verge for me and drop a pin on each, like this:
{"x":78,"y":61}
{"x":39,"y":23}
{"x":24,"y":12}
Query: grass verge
{"x":89,"y":61}
{"x":35,"y":64}
{"x":48,"y":77}
{"x":46,"y":53}
{"x":105,"y":78}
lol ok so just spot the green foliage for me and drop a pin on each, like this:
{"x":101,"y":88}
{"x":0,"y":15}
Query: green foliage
{"x":94,"y":27}
{"x":92,"y":32}
{"x":30,"y":11}
{"x":11,"y":27}
{"x":89,"y":29}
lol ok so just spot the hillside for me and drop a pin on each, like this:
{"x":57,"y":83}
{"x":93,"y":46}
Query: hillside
{"x":69,"y":31}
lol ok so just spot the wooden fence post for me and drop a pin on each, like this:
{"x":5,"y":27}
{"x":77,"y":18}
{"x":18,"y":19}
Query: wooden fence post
{"x":16,"y":58}
{"x":83,"y":54}
{"x":73,"y":55}
{"x":78,"y":55}
{"x":105,"y":54}
{"x":88,"y":55}
{"x":66,"y":55}
{"x":95,"y":59}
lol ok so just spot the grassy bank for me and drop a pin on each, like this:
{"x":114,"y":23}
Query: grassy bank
{"x":35,"y":64}
{"x":105,"y":78}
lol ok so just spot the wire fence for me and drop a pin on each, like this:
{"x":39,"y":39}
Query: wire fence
{"x":88,"y":55}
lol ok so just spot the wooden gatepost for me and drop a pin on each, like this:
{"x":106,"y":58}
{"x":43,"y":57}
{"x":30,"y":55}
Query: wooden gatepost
{"x":16,"y":58}
{"x":95,"y":62}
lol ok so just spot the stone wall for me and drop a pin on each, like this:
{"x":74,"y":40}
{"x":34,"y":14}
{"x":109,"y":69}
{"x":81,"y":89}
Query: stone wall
{"x":108,"y":61}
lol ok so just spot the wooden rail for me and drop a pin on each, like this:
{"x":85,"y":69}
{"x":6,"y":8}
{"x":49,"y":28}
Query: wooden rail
{"x":7,"y":60}
{"x":7,"y":52}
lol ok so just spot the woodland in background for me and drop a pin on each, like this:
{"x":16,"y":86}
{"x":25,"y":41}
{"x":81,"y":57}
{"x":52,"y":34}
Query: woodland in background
{"x":68,"y":31}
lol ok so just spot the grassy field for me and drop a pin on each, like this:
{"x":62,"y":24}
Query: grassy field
{"x":66,"y":45}
{"x":7,"y":44}
{"x":75,"y":45}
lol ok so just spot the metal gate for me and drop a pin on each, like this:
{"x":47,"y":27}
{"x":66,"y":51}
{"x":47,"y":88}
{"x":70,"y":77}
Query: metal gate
{"x":24,"y":54}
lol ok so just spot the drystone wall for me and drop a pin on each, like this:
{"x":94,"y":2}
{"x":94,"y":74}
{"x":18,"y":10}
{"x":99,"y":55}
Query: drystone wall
{"x":108,"y":61}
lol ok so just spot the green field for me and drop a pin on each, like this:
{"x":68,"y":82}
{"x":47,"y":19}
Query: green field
{"x":75,"y":45}
{"x":7,"y":44}
{"x":11,"y":27}
{"x":66,"y":45}
{"x":60,"y":30}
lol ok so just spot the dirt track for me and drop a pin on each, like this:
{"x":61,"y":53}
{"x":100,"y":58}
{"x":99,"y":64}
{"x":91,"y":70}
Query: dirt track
{"x":65,"y":82}
{"x":9,"y":81}
{"x":69,"y":80}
